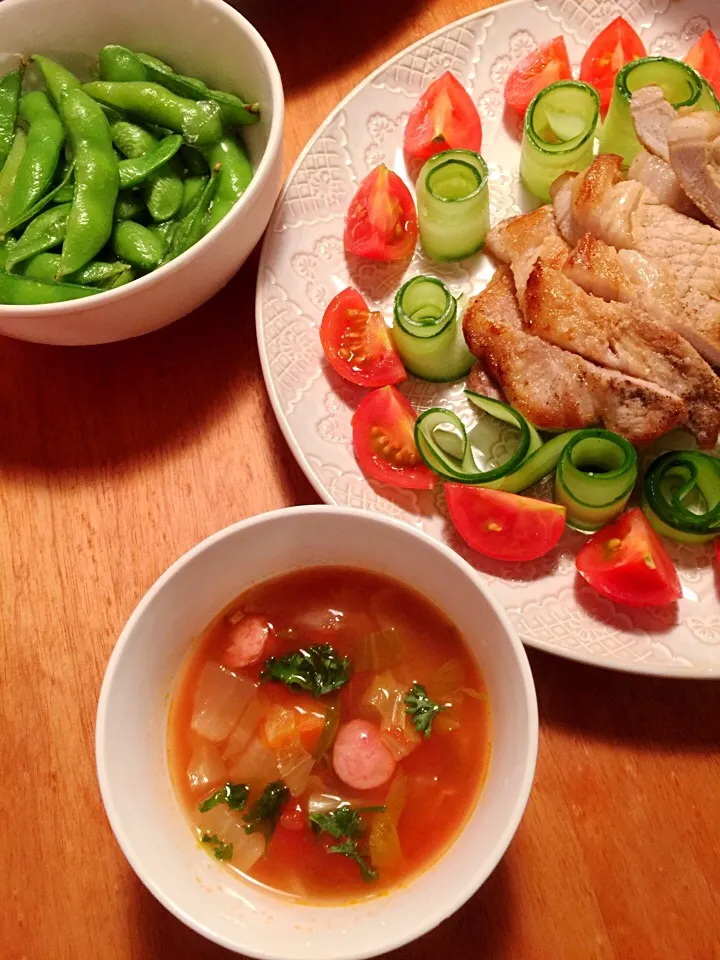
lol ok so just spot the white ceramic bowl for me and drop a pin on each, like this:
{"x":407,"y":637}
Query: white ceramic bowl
{"x":204,"y":38}
{"x":131,"y":735}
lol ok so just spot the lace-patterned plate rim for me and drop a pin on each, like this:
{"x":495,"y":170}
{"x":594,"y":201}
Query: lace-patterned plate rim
{"x":649,"y":643}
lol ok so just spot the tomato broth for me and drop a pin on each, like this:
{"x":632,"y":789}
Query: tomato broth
{"x":348,"y":788}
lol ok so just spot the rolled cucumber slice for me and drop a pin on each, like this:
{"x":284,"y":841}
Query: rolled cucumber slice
{"x":427,"y":333}
{"x":558,"y":134}
{"x":595,"y":476}
{"x":681,"y":85}
{"x":453,"y":204}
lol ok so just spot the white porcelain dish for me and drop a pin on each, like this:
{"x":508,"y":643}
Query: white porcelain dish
{"x":303,"y":267}
{"x":205,"y":38}
{"x":132,"y":729}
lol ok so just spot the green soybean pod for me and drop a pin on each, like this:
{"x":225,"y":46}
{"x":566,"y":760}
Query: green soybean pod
{"x":192,"y":186}
{"x":194,"y":161}
{"x":45,"y":139}
{"x":137,"y":245}
{"x":164,"y":190}
{"x":45,"y":232}
{"x":65,"y":194}
{"x":41,"y":266}
{"x":9,"y":96}
{"x":191,"y":227}
{"x":120,"y":280}
{"x":136,"y":171}
{"x":234,"y":111}
{"x":20,"y":291}
{"x":8,"y":174}
{"x":117,"y":63}
{"x":235,"y":175}
{"x":197,"y":120}
{"x":6,"y":246}
{"x":97,"y":181}
{"x":129,"y":206}
{"x":100,"y":272}
{"x":58,"y":79}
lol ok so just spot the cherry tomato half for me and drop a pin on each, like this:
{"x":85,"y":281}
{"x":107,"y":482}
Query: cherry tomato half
{"x":384,"y":441}
{"x":357,"y":343}
{"x":611,"y":49}
{"x":627,"y":562}
{"x":502,"y":525}
{"x":381,"y":223}
{"x":444,"y":118}
{"x":544,"y":65}
{"x":705,"y":57}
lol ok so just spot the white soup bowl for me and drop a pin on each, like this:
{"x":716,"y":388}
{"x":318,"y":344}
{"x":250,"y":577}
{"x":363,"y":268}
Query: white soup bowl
{"x":131,"y":736}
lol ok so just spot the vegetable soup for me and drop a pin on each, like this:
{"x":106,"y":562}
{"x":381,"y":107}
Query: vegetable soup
{"x":330,"y":734}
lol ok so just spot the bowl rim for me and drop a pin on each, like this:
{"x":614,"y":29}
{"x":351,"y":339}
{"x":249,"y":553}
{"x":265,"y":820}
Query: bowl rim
{"x":514,"y":814}
{"x":263,"y":170}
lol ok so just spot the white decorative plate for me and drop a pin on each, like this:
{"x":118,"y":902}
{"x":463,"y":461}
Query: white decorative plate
{"x":303,"y":267}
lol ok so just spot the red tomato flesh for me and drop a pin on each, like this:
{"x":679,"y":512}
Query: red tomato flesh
{"x":381,"y":223}
{"x":502,"y":525}
{"x":357,"y":344}
{"x":611,"y":49}
{"x":544,"y":65}
{"x":444,"y":118}
{"x":704,"y":56}
{"x":384,"y":441}
{"x":627,"y":562}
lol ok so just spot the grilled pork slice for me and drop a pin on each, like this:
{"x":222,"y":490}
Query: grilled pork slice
{"x":651,"y":115}
{"x":694,"y":148}
{"x":555,"y":389}
{"x":624,"y":338}
{"x":625,"y":214}
{"x":660,"y":179}
{"x":520,"y":241}
{"x":519,"y":235}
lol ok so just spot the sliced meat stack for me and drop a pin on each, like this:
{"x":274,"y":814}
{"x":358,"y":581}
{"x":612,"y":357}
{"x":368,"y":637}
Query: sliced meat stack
{"x":601,"y":310}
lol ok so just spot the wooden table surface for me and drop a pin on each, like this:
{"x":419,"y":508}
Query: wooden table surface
{"x":114,"y":460}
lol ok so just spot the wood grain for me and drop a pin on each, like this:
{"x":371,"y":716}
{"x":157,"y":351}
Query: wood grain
{"x":114,"y":460}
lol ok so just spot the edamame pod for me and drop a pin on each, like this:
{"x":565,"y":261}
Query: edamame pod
{"x":192,"y":186}
{"x":190,"y":228}
{"x":137,"y":245}
{"x":135,"y":171}
{"x":65,"y":193}
{"x":53,"y":196}
{"x":45,"y":266}
{"x":8,"y":174}
{"x":129,"y":206}
{"x":42,"y":154}
{"x":20,"y":291}
{"x":90,"y":220}
{"x":46,"y":231}
{"x":164,"y":190}
{"x":198,"y":121}
{"x":9,"y":96}
{"x":58,"y":79}
{"x":233,"y":178}
{"x":117,"y":63}
{"x":235,"y":112}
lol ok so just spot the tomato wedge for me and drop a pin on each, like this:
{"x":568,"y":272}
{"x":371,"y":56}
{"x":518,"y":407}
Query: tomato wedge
{"x":444,"y":118}
{"x":502,"y":525}
{"x":611,"y":49}
{"x":705,"y":57}
{"x":384,"y":441}
{"x":627,"y":562}
{"x":381,"y":223}
{"x":357,"y":344}
{"x":544,"y":65}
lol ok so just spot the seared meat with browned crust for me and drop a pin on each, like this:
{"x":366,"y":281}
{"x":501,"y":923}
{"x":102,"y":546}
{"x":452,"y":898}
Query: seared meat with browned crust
{"x":556,"y":389}
{"x":622,"y":337}
{"x":625,"y":214}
